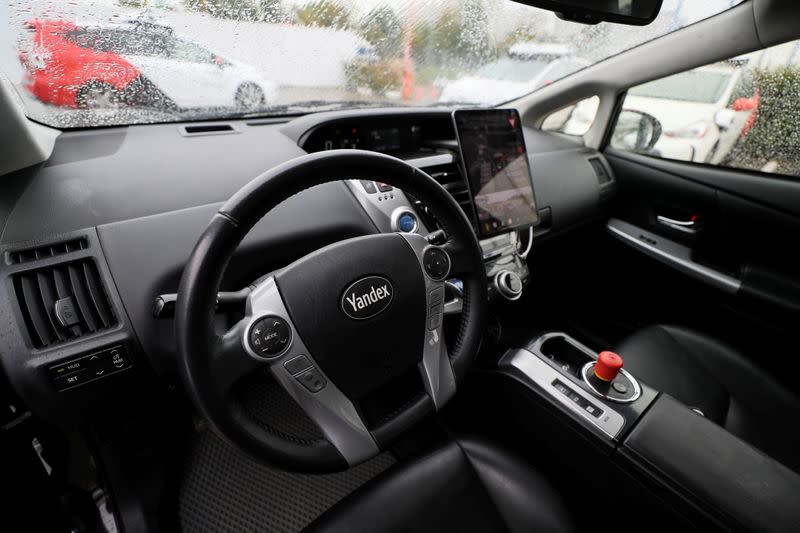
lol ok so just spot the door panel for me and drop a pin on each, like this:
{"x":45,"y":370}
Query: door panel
{"x":747,"y":229}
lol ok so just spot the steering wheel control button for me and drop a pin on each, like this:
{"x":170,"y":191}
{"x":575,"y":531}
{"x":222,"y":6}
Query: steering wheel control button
{"x":89,"y":367}
{"x":436,"y":263}
{"x":270,"y":336}
{"x":608,"y":366}
{"x":436,"y":296}
{"x":435,"y":321}
{"x":312,"y":379}
{"x":297,"y":364}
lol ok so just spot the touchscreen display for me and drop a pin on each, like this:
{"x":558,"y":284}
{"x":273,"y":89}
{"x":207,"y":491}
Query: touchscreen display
{"x":494,"y":158}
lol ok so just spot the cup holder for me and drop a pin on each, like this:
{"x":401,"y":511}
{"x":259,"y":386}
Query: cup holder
{"x":566,"y":354}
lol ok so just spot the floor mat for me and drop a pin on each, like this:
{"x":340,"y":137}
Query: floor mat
{"x":225,"y":490}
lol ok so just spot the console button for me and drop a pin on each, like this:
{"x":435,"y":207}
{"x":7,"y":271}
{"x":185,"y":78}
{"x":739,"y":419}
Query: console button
{"x":297,"y":364}
{"x":270,"y":336}
{"x":407,"y":223}
{"x":67,"y":368}
{"x":436,"y":263}
{"x":620,"y":387}
{"x":369,"y":186}
{"x":312,"y":379}
{"x":382,"y":187}
{"x":73,"y":380}
{"x":592,"y":410}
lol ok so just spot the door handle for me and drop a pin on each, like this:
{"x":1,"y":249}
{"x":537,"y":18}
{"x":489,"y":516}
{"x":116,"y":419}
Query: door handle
{"x":685,"y":226}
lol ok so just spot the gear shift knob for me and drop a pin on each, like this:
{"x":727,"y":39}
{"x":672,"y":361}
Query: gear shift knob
{"x":608,"y":366}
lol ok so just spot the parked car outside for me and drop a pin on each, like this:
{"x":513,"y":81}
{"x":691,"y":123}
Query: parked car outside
{"x":526,"y":67}
{"x":109,"y":65}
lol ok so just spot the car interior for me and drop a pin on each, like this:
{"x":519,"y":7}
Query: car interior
{"x":206,"y":323}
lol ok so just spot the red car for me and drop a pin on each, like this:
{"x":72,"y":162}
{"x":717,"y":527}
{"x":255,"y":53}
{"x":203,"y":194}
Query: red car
{"x":63,"y":73}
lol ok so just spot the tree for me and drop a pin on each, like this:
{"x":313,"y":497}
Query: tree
{"x":458,"y":36}
{"x":271,"y":11}
{"x":383,"y":29}
{"x":225,"y":9}
{"x":133,"y":3}
{"x":521,"y":34}
{"x":323,"y":13}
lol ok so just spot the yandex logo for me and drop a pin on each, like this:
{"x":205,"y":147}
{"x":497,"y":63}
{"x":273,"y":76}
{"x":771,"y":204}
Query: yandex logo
{"x":367,"y":297}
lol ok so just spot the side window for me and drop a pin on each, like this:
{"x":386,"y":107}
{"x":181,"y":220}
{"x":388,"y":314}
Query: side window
{"x":741,"y":113}
{"x":575,"y":119}
{"x":193,"y":53}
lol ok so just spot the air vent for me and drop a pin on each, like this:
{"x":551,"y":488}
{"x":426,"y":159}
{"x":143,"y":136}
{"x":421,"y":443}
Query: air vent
{"x":43,"y":252}
{"x":207,"y":129}
{"x":453,"y":182}
{"x":600,"y":171}
{"x":63,"y":302}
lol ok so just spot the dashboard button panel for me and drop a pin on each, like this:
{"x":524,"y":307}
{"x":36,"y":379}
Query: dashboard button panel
{"x":96,"y":365}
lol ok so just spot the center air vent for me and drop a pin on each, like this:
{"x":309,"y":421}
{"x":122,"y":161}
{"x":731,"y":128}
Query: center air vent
{"x":63,"y":302}
{"x":42,"y":252}
{"x":450,"y":178}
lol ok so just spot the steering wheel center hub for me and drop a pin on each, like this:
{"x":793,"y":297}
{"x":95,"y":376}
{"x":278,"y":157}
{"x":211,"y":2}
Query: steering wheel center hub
{"x":359,"y":305}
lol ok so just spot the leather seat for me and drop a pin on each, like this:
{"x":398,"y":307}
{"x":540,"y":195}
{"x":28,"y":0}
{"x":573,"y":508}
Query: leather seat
{"x":467,"y":485}
{"x":705,"y":374}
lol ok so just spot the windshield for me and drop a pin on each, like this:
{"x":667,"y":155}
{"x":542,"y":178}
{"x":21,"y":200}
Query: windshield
{"x":691,"y":86}
{"x":512,"y":69}
{"x":84,"y":63}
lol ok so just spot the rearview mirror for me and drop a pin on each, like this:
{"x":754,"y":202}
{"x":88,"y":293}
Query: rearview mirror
{"x":632,"y":12}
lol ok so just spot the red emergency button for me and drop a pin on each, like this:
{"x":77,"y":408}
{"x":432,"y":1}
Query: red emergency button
{"x":608,"y":365}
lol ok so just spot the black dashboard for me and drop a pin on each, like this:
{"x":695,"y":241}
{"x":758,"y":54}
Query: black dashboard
{"x":107,"y":223}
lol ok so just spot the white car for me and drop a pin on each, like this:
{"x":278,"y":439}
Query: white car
{"x":184,"y":72}
{"x":692,"y":108}
{"x":527,"y":67}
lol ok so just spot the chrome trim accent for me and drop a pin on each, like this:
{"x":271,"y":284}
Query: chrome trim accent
{"x":436,"y":370}
{"x":540,"y":373}
{"x":431,"y":161}
{"x":329,"y":408}
{"x":456,"y":305}
{"x":637,"y":390}
{"x":671,"y":253}
{"x":380,"y":211}
{"x":685,"y":226}
{"x":502,"y":289}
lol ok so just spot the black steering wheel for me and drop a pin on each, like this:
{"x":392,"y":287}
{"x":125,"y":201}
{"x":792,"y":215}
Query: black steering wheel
{"x":335,"y":325}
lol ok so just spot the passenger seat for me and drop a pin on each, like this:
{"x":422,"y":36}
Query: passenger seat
{"x":720,"y":382}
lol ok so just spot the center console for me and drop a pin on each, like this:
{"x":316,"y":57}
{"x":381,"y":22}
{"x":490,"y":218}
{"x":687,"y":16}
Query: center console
{"x":617,"y":432}
{"x":595,"y":390}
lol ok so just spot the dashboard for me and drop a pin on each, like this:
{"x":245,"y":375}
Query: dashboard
{"x":125,"y":206}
